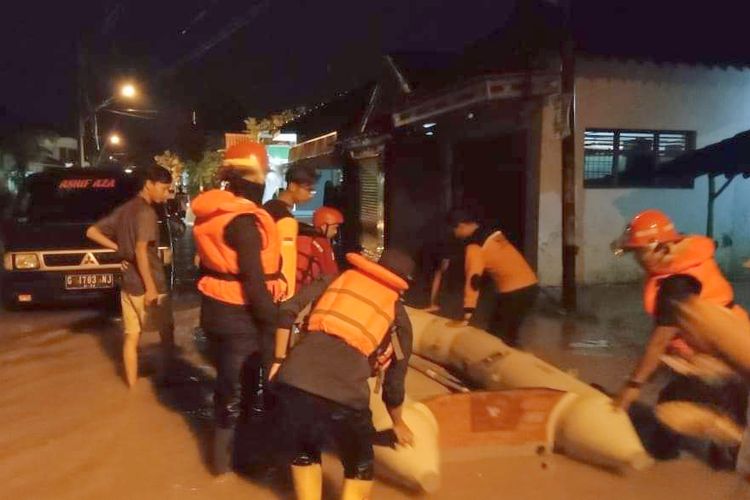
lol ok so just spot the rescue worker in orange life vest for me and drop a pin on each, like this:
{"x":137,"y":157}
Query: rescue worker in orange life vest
{"x":300,"y":189}
{"x":677,"y":266}
{"x":315,"y":256}
{"x":238,"y":247}
{"x":502,"y":307}
{"x":357,"y":325}
{"x":721,"y":340}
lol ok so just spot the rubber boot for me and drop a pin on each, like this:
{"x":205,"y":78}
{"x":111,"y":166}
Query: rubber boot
{"x":221,"y":457}
{"x":356,"y":489}
{"x":308,"y":481}
{"x":259,"y":394}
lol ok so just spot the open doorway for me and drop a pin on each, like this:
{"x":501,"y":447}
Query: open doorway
{"x":490,"y":176}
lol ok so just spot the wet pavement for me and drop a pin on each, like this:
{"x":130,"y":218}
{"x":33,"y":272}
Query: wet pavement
{"x":71,"y":429}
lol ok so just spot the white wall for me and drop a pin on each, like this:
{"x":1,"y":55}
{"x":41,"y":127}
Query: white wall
{"x":53,"y":145}
{"x":65,"y":142}
{"x":713,"y":102}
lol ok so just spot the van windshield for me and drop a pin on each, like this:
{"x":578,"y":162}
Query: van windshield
{"x":72,"y":199}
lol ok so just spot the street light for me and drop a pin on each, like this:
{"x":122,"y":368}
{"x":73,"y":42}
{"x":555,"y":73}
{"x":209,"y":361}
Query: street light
{"x":126,"y":91}
{"x":114,"y":141}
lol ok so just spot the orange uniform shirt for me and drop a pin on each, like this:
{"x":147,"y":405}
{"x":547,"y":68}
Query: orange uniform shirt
{"x":497,"y":257}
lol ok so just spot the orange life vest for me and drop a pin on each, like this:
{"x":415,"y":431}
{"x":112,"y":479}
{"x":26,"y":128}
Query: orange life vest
{"x":315,"y":258}
{"x":695,"y":257}
{"x":359,"y":306}
{"x":214,"y":210}
{"x":288,"y":229}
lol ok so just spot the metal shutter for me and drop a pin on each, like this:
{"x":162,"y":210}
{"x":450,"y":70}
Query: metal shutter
{"x":371,"y":213}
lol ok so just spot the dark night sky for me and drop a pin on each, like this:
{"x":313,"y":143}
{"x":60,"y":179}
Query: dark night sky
{"x":284,"y":52}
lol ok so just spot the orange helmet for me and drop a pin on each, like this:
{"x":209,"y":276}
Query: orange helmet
{"x":247,"y":156}
{"x":327,"y":216}
{"x":648,"y":228}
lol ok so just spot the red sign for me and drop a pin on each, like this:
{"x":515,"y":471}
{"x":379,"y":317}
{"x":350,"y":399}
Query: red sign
{"x":86,"y":184}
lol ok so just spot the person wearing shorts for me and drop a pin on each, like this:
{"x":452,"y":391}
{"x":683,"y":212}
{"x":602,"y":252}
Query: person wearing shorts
{"x":132,"y":230}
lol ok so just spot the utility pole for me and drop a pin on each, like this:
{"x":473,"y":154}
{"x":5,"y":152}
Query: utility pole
{"x":81,"y":106}
{"x":568,"y":81}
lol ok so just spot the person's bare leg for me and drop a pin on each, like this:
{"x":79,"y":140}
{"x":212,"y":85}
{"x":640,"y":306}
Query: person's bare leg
{"x":133,"y":320}
{"x":308,"y":481}
{"x":356,"y":489}
{"x":130,"y":358}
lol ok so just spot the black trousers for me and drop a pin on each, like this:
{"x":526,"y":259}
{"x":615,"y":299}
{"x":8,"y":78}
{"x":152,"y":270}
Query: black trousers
{"x":235,"y":348}
{"x":502,"y":314}
{"x":310,"y":422}
{"x":237,"y":361}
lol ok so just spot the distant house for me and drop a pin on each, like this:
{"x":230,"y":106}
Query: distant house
{"x":55,"y":152}
{"x":486,"y":127}
{"x":32,"y":150}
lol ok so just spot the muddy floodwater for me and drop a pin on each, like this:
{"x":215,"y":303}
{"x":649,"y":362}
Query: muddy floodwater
{"x":72,"y":430}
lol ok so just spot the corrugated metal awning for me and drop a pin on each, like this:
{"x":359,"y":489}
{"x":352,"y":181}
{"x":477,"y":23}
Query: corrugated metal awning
{"x":729,"y":157}
{"x":319,"y":146}
{"x":484,"y":89}
{"x":233,"y":138}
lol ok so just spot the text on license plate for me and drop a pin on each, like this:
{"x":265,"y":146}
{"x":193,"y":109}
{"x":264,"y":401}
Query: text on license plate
{"x":85,"y":281}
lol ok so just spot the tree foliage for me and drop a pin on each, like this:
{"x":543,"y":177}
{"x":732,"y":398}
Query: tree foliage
{"x":272,"y":123}
{"x":172,"y":162}
{"x":202,"y":173}
{"x":24,"y":147}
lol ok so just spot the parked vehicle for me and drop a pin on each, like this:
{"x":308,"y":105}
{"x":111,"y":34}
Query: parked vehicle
{"x":47,"y":257}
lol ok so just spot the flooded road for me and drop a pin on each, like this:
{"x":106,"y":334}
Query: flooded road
{"x":72,"y":430}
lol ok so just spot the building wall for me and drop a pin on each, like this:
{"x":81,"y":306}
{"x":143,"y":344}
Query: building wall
{"x":713,"y":102}
{"x":62,"y":149}
{"x":68,"y":143}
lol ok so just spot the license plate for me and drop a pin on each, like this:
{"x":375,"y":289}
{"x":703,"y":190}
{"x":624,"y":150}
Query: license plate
{"x":89,"y":281}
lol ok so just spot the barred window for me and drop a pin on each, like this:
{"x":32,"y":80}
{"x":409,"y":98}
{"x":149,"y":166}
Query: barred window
{"x":629,"y":158}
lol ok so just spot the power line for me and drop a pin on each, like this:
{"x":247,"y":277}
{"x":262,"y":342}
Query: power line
{"x":226,"y":32}
{"x":199,"y":17}
{"x":132,"y":115}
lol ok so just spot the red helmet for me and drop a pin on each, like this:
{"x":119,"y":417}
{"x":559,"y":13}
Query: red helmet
{"x":327,"y":216}
{"x":247,"y":156}
{"x":648,"y":228}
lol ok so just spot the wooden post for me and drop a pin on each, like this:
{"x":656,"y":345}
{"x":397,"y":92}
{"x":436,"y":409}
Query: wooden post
{"x":713,"y":193}
{"x":569,"y":247}
{"x":81,"y":105}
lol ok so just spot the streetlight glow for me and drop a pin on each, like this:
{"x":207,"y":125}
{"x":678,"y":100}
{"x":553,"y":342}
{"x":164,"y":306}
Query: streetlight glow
{"x":128,"y":90}
{"x":115,"y":139}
